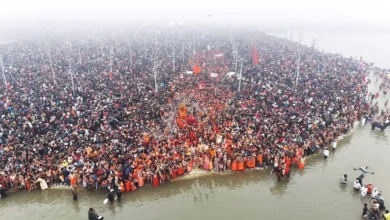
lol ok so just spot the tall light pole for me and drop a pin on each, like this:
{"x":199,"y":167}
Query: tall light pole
{"x":182,"y":54}
{"x":239,"y":81}
{"x":236,"y":55}
{"x":145,"y":48}
{"x":40,"y":49}
{"x":154,"y":69}
{"x":314,"y":43}
{"x":71,"y":74}
{"x":194,"y":46}
{"x":155,"y":75}
{"x":299,"y":61}
{"x":300,"y":38}
{"x":2,"y":68}
{"x":78,"y":47}
{"x":51,"y":62}
{"x":174,"y":69}
{"x":131,"y":58}
{"x":111,"y":59}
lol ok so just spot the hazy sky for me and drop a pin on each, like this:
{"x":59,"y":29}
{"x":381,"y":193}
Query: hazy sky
{"x":270,"y":11}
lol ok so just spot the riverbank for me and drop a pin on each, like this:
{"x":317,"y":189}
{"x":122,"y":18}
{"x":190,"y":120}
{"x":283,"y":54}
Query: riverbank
{"x":199,"y":173}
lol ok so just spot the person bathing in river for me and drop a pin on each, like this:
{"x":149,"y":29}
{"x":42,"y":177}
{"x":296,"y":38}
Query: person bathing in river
{"x":92,"y":215}
{"x":365,"y":210}
{"x":344,"y":179}
{"x":326,"y":153}
{"x":283,"y":167}
{"x":370,"y":187}
{"x":357,"y":185}
{"x":74,"y":192}
{"x":119,"y":194}
{"x":111,"y":196}
{"x":374,"y":193}
{"x":360,"y":178}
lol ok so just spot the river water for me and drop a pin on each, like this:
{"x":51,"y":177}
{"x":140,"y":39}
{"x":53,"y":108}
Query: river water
{"x":311,"y":193}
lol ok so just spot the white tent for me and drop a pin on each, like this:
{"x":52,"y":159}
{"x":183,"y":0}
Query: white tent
{"x":214,"y":75}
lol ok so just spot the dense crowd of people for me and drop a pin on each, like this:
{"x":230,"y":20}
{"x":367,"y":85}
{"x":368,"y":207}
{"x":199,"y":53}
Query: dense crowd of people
{"x":124,"y":113}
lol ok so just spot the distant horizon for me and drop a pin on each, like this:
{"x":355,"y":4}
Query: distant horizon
{"x":12,"y":32}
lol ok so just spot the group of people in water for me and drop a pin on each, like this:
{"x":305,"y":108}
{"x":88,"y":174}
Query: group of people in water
{"x":377,"y":202}
{"x":90,"y":114}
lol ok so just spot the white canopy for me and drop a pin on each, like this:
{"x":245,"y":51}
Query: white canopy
{"x":230,"y":73}
{"x":214,"y":75}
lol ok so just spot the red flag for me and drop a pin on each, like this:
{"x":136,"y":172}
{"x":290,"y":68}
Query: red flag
{"x":111,"y":75}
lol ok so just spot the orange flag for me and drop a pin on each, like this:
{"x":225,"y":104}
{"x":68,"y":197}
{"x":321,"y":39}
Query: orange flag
{"x":197,"y":69}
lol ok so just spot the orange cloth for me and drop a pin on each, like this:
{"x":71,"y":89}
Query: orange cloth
{"x":251,"y":163}
{"x":122,"y":187}
{"x":260,"y":159}
{"x":241,"y":166}
{"x":73,"y":181}
{"x":234,"y":165}
{"x":128,"y":186}
{"x":140,"y":182}
{"x":301,"y":165}
{"x":155,"y":181}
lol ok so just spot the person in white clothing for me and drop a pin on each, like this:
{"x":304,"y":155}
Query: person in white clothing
{"x":356,"y":185}
{"x":374,"y":193}
{"x":363,"y":191}
{"x":326,"y":153}
{"x":42,"y":183}
{"x":334,"y":145}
